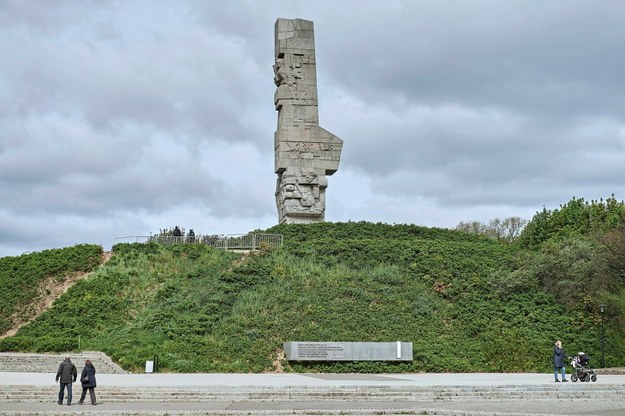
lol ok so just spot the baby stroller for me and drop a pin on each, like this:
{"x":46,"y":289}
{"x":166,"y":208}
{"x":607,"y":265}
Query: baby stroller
{"x":581,"y":369}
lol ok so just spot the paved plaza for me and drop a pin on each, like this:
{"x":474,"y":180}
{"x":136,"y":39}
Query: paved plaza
{"x":297,"y":379}
{"x":324,"y":394}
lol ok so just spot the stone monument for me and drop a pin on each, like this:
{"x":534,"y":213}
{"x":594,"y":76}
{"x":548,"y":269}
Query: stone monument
{"x":304,"y":152}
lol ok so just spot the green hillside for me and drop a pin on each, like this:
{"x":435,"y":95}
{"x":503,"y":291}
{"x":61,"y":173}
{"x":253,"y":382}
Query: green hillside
{"x":24,"y":279}
{"x":467,"y":302}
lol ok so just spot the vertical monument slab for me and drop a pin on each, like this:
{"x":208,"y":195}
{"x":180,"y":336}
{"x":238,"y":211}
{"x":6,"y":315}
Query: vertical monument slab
{"x":304,"y":152}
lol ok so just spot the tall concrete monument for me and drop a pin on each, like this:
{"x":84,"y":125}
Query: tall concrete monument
{"x":305,"y":152}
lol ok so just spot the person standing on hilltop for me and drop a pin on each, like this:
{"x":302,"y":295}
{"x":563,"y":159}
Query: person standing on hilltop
{"x":177,"y":234}
{"x":66,"y":375}
{"x":558,"y":361}
{"x":87,"y":378}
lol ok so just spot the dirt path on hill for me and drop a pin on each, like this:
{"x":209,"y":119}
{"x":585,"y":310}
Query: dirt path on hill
{"x":49,"y":291}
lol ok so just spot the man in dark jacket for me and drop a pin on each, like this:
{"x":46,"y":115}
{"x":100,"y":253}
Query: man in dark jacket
{"x":66,"y":375}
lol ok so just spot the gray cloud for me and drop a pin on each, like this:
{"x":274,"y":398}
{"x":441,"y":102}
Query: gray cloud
{"x":126,"y":117}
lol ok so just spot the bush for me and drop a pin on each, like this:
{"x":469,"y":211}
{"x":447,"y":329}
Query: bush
{"x":22,"y":278}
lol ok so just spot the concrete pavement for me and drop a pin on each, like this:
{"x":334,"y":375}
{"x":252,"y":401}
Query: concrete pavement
{"x":478,"y":394}
{"x":289,"y":379}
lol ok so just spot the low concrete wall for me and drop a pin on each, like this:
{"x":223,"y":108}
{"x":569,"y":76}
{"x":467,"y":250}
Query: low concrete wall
{"x":49,"y":363}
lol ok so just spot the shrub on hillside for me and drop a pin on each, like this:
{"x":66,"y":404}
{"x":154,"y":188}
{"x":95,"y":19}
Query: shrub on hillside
{"x":22,"y":277}
{"x":575,"y":218}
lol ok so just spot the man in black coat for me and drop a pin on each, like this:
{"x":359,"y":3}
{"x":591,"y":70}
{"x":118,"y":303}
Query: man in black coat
{"x":177,"y":234}
{"x":66,"y":375}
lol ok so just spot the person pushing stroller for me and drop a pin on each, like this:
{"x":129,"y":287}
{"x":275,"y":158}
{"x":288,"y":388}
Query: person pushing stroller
{"x":558,"y":361}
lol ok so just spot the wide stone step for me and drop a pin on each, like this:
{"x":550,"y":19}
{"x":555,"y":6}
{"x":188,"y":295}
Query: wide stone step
{"x":25,"y":393}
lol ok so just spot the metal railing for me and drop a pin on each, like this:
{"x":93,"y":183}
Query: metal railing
{"x":221,"y":241}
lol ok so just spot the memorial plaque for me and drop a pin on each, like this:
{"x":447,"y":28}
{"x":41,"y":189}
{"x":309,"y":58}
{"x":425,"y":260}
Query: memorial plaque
{"x":348,"y":351}
{"x":326,"y":351}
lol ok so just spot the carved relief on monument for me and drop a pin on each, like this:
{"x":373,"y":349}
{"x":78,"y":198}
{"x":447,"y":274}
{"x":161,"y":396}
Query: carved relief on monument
{"x":304,"y":152}
{"x":300,"y":194}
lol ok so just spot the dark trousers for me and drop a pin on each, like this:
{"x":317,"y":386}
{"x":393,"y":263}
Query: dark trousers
{"x":91,"y":394}
{"x":62,"y":392}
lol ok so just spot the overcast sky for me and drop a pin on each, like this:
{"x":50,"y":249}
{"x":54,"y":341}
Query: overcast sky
{"x":119,"y":118}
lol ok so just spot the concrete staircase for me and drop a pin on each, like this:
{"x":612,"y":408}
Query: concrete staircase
{"x":15,"y":362}
{"x":238,"y":400}
{"x":129,"y":394}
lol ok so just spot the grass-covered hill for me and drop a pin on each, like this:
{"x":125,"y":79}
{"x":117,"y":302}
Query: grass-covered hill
{"x":467,"y":302}
{"x":27,"y":279}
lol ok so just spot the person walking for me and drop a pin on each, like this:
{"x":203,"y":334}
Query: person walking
{"x":66,"y":375}
{"x":558,"y":361}
{"x":87,"y":378}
